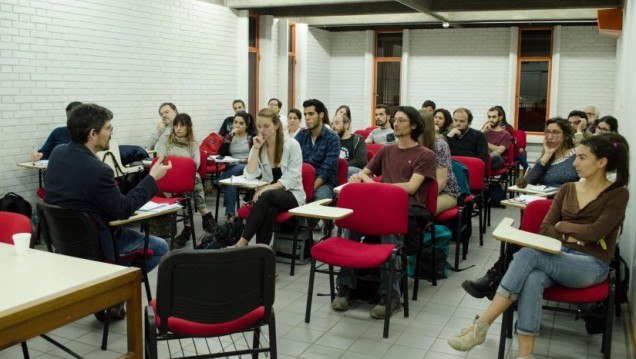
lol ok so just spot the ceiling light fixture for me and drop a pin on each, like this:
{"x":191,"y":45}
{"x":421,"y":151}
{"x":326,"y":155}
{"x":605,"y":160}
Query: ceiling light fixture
{"x":445,"y":25}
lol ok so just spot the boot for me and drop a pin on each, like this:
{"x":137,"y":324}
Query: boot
{"x":485,"y":286}
{"x":181,"y":240}
{"x":209,"y":224}
{"x":470,"y":337}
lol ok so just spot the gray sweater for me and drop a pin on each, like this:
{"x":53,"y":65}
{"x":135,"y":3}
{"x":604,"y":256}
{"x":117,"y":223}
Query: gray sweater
{"x":554,"y":174}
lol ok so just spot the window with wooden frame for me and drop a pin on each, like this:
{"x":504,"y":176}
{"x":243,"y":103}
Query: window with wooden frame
{"x":534,"y":68}
{"x":387,"y":69}
{"x":253,"y":60}
{"x":291,"y":67}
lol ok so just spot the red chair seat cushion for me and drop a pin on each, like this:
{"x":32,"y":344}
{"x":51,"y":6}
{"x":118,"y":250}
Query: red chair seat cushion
{"x":448,"y":214}
{"x":187,"y":327}
{"x":347,"y":253}
{"x":595,"y":293}
{"x":245,"y":211}
{"x":499,"y":172}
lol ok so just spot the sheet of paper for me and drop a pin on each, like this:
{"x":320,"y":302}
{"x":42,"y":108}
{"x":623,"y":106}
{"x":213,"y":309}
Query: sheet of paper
{"x":541,"y":188}
{"x":245,"y":181}
{"x":157,"y":207}
{"x":41,"y":163}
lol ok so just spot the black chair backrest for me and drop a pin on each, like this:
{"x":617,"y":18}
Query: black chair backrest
{"x":70,"y":231}
{"x":215,"y":286}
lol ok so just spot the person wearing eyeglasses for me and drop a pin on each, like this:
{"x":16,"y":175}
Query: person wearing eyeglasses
{"x":554,"y":168}
{"x":607,"y":124}
{"x":579,"y":122}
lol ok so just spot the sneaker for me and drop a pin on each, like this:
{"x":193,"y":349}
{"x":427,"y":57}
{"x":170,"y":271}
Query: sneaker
{"x":469,"y":337}
{"x":183,"y":238}
{"x":378,"y":311}
{"x":485,"y":286}
{"x":343,"y":299}
{"x":209,"y":224}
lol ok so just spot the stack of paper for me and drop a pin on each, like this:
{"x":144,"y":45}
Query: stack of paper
{"x":244,"y":181}
{"x":158,"y":207}
{"x":541,"y":188}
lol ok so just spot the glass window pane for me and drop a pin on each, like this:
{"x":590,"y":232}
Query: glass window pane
{"x":389,"y":45}
{"x":252,"y":84}
{"x":533,"y":95}
{"x":388,"y":84}
{"x":536,"y":43}
{"x":252,"y":31}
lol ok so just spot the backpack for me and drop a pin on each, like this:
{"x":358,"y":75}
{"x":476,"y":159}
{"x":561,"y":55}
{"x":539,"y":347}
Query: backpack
{"x":223,"y":235}
{"x":13,"y":202}
{"x":461,"y":174}
{"x":211,"y":144}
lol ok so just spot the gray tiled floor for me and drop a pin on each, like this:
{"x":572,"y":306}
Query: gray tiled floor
{"x":438,"y":313}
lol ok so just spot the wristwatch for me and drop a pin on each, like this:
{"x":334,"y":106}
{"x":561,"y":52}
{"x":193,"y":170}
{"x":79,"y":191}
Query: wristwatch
{"x":579,"y":243}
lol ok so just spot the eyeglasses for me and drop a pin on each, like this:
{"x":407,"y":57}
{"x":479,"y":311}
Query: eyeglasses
{"x":603,"y":129}
{"x":553,"y":133}
{"x":401,"y":119}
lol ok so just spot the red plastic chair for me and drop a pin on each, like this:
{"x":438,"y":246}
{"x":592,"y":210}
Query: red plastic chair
{"x":495,"y":176}
{"x":373,"y":148}
{"x":364,"y":133}
{"x":533,"y":216}
{"x":343,"y":168}
{"x":521,"y":142}
{"x":308,"y":174}
{"x":179,"y":181}
{"x":13,"y":223}
{"x":476,"y":180}
{"x":374,"y":216}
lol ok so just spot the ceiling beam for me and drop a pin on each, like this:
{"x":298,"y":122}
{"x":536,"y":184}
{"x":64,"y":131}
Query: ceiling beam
{"x":496,"y":5}
{"x":383,"y":7}
{"x":423,"y":6}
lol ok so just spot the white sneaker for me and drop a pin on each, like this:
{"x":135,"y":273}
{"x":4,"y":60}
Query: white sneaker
{"x":470,"y":337}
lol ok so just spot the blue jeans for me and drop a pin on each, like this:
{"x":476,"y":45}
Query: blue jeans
{"x":130,"y":240}
{"x":531,"y":271}
{"x":324,"y":191}
{"x":229,"y":192}
{"x":347,"y":275}
{"x":352,"y":170}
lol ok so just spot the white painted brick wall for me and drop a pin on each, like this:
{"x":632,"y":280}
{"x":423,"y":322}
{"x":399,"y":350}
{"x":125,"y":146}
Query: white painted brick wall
{"x":459,"y":68}
{"x":318,"y":67}
{"x":347,"y":75}
{"x":126,"y":55}
{"x":587,"y":70}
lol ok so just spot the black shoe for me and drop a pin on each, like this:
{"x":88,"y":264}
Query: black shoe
{"x":485,"y":286}
{"x":117,"y":312}
{"x":209,"y":224}
{"x":182,"y":239}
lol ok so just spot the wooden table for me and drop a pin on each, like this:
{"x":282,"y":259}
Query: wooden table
{"x":241,"y":185}
{"x":35,"y":166}
{"x":44,"y":291}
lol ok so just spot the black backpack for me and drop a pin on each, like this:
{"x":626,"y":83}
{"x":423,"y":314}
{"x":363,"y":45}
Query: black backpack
{"x":224,"y":235}
{"x":13,"y":202}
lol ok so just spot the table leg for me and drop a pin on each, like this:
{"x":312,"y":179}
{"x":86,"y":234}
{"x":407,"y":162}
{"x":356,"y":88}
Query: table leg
{"x":133,"y":321}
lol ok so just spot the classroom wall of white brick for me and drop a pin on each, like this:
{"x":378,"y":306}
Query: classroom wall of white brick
{"x":459,"y":68}
{"x":318,"y":66}
{"x":129,"y":56}
{"x":347,"y":76}
{"x":587,"y":70}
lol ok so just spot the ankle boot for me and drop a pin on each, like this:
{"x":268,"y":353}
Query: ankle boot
{"x":485,"y":286}
{"x":209,"y":224}
{"x":181,"y":240}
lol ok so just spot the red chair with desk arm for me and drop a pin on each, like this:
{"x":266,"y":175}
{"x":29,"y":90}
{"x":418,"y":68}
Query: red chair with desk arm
{"x":374,"y":216}
{"x":308,"y":174}
{"x":179,"y":182}
{"x":603,"y":292}
{"x":477,"y":184}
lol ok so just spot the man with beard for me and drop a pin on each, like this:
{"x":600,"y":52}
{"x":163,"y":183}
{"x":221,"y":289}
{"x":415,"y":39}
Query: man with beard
{"x":320,"y":147}
{"x":226,"y":126}
{"x":77,"y":179}
{"x":167,"y":112}
{"x":384,"y":133}
{"x":465,"y":141}
{"x":498,"y":138}
{"x":352,"y":146}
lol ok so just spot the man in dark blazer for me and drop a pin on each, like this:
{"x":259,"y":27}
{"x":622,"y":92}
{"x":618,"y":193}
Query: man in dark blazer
{"x":77,"y":179}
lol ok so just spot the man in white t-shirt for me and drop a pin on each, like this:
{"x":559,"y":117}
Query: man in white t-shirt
{"x":384,"y":133}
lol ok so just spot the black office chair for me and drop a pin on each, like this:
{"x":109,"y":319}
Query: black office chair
{"x":74,"y":233}
{"x":213,"y":293}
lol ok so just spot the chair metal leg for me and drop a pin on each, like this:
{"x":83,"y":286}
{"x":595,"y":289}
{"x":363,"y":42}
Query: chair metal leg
{"x":25,"y":350}
{"x":433,"y":253}
{"x":273,"y":347}
{"x":310,"y":290}
{"x":389,"y":295}
{"x":418,"y":263}
{"x":106,"y":329}
{"x":294,"y":245}
{"x":255,"y":341}
{"x":61,"y":346}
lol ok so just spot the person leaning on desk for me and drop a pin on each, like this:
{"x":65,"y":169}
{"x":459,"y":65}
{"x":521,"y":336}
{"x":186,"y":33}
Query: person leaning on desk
{"x":77,"y":179}
{"x":57,"y":137}
{"x":586,"y":217}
